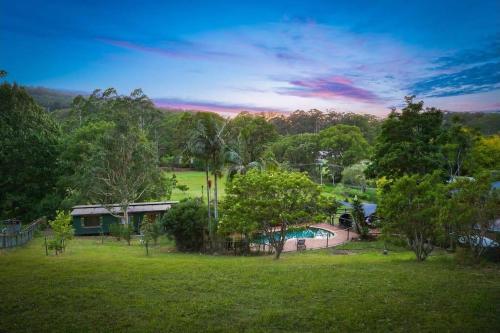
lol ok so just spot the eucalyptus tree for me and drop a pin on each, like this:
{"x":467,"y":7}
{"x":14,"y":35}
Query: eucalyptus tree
{"x":29,"y":150}
{"x":110,"y":157}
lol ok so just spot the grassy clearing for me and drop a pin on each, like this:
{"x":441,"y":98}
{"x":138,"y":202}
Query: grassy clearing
{"x":114,"y":287}
{"x":341,"y":192}
{"x":194,"y":180}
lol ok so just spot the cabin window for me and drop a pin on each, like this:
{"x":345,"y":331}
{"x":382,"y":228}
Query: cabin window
{"x":91,"y":221}
{"x":151,"y":217}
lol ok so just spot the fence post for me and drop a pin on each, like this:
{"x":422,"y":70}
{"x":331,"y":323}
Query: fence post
{"x":347,"y":233}
{"x":327,"y":238}
{"x":46,"y":248}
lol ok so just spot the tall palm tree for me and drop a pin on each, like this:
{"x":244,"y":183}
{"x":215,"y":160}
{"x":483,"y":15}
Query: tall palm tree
{"x":207,"y":144}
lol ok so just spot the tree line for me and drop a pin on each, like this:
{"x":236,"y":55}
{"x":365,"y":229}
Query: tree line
{"x":110,"y":148}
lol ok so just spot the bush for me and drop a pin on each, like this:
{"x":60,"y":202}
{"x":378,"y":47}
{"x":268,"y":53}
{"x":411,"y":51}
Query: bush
{"x":63,"y":231}
{"x":115,"y":231}
{"x":121,"y":231}
{"x":151,"y":230}
{"x":127,"y":231}
{"x":186,"y":222}
{"x":355,"y":175}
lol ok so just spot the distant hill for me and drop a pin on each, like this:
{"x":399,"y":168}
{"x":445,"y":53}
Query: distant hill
{"x":60,"y":101}
{"x":487,"y":123}
{"x":52,"y":99}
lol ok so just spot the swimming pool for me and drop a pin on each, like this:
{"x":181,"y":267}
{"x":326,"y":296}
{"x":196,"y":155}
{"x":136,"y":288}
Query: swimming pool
{"x":306,"y":233}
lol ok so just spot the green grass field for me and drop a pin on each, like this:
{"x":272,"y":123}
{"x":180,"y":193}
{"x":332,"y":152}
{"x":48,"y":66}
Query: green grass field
{"x":116,"y":288}
{"x":196,"y":179}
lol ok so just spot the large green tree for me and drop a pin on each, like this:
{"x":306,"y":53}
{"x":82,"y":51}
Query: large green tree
{"x":343,"y":145}
{"x":297,"y":151}
{"x":470,"y":212}
{"x":269,"y":201}
{"x":28,"y":156}
{"x":484,"y":156}
{"x":248,"y":137}
{"x":410,"y":209}
{"x":110,"y":155}
{"x":458,"y":143}
{"x":408,"y":142}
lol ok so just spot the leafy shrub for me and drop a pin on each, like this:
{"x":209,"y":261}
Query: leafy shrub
{"x":115,"y":231}
{"x":121,"y":231}
{"x":151,"y":230}
{"x":63,"y":231}
{"x":355,"y":175}
{"x":186,"y":222}
{"x":127,"y":231}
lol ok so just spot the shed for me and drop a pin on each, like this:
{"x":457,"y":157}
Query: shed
{"x":94,"y":219}
{"x":11,"y":227}
{"x":368,"y":207}
{"x":369,"y":210}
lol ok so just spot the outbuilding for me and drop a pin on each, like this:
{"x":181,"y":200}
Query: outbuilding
{"x":94,"y":219}
{"x":369,"y":209}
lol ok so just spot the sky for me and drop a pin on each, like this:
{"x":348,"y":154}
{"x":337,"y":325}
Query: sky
{"x":229,"y":56}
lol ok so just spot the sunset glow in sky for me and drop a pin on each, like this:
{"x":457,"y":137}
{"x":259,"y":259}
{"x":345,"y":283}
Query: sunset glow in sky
{"x":227,"y":56}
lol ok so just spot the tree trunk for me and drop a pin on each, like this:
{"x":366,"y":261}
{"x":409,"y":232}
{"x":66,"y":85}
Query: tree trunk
{"x":216,"y":210}
{"x":208,"y":204}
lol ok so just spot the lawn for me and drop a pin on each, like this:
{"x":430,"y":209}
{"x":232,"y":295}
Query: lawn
{"x":196,"y":179}
{"x":115,"y":287}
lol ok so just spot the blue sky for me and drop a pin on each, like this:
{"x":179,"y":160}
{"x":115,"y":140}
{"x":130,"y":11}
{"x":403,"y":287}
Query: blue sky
{"x":359,"y":56}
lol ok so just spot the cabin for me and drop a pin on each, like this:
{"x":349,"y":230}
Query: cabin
{"x":94,"y":219}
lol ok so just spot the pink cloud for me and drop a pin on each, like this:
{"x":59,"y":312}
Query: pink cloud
{"x":329,"y":88}
{"x":216,"y":107}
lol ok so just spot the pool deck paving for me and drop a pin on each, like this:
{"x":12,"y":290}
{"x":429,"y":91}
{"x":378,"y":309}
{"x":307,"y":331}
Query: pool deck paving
{"x":341,"y":236}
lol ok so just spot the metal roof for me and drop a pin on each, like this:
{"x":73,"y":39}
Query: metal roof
{"x":368,"y":208}
{"x":116,"y":209}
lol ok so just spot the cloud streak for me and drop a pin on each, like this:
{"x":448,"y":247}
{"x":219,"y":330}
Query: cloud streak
{"x":171,"y":49}
{"x":329,"y":88}
{"x":490,"y":52}
{"x":227,"y":109}
{"x":481,"y":78}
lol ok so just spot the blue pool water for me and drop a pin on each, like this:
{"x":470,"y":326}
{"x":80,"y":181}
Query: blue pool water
{"x":307,"y":233}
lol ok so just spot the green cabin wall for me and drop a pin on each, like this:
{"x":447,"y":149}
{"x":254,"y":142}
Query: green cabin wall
{"x":107,"y":220}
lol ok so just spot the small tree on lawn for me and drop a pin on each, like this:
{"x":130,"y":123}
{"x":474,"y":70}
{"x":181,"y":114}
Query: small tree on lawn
{"x":269,"y":201}
{"x":410,"y":209}
{"x":153,"y":228}
{"x":151,"y":231}
{"x":63,"y":231}
{"x":358,"y":214}
{"x":126,"y":232}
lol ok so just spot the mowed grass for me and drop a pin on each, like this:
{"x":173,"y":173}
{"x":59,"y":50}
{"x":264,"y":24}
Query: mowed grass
{"x":195,"y":180}
{"x":116,"y":288}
